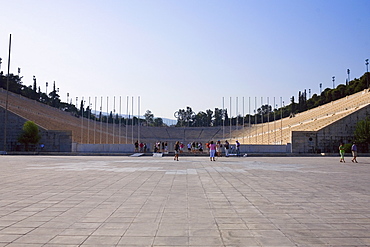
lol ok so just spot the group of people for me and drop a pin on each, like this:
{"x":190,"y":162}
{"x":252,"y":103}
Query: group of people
{"x":215,"y":148}
{"x":353,"y":150}
{"x":160,"y":146}
{"x":140,"y":147}
{"x":195,"y":147}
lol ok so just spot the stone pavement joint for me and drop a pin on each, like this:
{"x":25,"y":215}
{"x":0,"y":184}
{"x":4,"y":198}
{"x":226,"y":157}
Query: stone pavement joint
{"x":63,"y":201}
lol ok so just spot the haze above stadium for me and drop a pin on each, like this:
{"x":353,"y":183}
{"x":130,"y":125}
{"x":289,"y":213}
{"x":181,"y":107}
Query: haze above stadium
{"x":175,"y":54}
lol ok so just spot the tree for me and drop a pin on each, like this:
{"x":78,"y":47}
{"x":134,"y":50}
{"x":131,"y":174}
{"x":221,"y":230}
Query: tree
{"x":201,"y":119}
{"x":158,"y":122}
{"x":209,"y":117}
{"x":185,"y":116}
{"x":30,"y":134}
{"x":218,"y":116}
{"x":149,"y":117}
{"x":362,"y":131}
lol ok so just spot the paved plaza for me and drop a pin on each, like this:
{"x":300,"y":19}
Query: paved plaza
{"x":155,"y":201}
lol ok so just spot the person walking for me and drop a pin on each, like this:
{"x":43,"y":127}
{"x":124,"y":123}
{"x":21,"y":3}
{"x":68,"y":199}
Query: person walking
{"x":354,"y":152}
{"x":177,"y":150}
{"x":341,"y":152}
{"x":212,"y":151}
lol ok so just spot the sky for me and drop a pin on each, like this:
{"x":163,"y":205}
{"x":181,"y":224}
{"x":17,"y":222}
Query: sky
{"x":165,"y":55}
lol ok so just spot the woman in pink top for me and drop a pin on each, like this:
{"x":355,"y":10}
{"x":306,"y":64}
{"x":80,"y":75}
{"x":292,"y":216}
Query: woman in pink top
{"x":212,"y":151}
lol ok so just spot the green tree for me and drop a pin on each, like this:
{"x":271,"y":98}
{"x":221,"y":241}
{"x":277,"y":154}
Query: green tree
{"x":158,"y":122}
{"x":149,"y":117}
{"x":30,"y":134}
{"x":209,"y":113}
{"x":362,"y":131}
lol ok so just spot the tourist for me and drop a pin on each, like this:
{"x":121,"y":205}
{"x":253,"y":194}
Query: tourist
{"x":237,"y":148}
{"x":227,"y":146}
{"x":354,"y":152}
{"x":200,"y":147}
{"x":341,"y":152}
{"x":189,"y":147}
{"x":177,"y":150}
{"x":218,"y":148}
{"x":212,"y":151}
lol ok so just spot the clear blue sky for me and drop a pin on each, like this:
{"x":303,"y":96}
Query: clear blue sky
{"x":181,"y":53}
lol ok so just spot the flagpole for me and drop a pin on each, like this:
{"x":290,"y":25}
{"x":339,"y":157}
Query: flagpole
{"x":120,"y":120}
{"x":88,"y":123}
{"x":230,"y":118}
{"x":82,"y":119}
{"x":268,"y":121}
{"x":114,"y":113}
{"x":223,"y":118}
{"x":101,"y":118}
{"x":126,"y":118}
{"x":132,"y":122}
{"x":107,"y":136}
{"x":243,"y":122}
{"x":138,"y":118}
{"x":95,"y":121}
{"x":7,"y":95}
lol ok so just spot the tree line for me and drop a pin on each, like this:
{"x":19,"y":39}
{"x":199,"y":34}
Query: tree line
{"x":267,"y":112}
{"x":187,"y":117}
{"x":53,"y":99}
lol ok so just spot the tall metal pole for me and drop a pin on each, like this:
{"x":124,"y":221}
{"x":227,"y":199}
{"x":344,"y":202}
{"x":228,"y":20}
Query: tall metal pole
{"x":120,"y":120}
{"x":255,"y":116}
{"x":82,"y":118}
{"x":88,"y":122}
{"x":107,"y":140}
{"x":95,"y":122}
{"x":268,"y":120}
{"x":249,"y":120}
{"x":348,"y":72}
{"x":367,"y":72}
{"x":275,"y":119}
{"x":230,"y":118}
{"x":101,"y":118}
{"x":243,"y":120}
{"x":138,"y":118}
{"x":114,"y":113}
{"x":7,"y":96}
{"x":223,"y":118}
{"x":126,"y":118}
{"x":281,"y":120}
{"x":237,"y":113}
{"x":132,"y":125}
{"x":262,"y":118}
{"x":333,"y":79}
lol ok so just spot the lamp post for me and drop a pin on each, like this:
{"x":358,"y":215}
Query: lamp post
{"x":348,"y":72}
{"x":333,"y":79}
{"x":0,"y":63}
{"x":367,"y":71}
{"x":47,"y":88}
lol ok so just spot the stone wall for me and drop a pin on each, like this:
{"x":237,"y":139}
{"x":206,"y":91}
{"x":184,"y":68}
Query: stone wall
{"x":327,"y":140}
{"x":52,"y":140}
